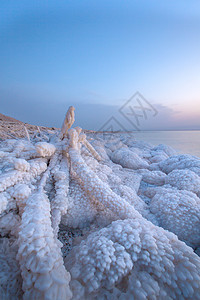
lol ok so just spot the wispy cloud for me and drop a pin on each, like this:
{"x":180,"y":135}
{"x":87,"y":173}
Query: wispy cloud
{"x":49,"y":111}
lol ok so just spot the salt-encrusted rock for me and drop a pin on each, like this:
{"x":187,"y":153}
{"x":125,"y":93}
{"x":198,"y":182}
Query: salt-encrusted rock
{"x":158,"y":156}
{"x":138,"y":151}
{"x":153,"y":177}
{"x":99,"y":147}
{"x":40,"y":259}
{"x":13,"y":177}
{"x":74,"y":141}
{"x":10,"y":178}
{"x":45,"y":149}
{"x":92,"y":150}
{"x":3,"y":202}
{"x":114,"y":144}
{"x":10,"y":277}
{"x":60,"y":202}
{"x":68,"y":122}
{"x":3,"y":154}
{"x":19,"y":147}
{"x":112,"y":179}
{"x":165,"y":148}
{"x":11,"y":202}
{"x":178,"y":212}
{"x":97,"y":189}
{"x":37,"y":167}
{"x":21,"y":165}
{"x":94,"y":165}
{"x":154,"y":167}
{"x":184,"y":180}
{"x":127,"y":177}
{"x":21,"y":192}
{"x":9,"y":224}
{"x":133,"y":259}
{"x":81,"y":210}
{"x":181,"y":162}
{"x":128,"y":159}
{"x":150,"y":191}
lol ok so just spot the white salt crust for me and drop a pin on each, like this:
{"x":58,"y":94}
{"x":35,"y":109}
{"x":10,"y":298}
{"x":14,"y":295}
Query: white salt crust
{"x":133,"y":203}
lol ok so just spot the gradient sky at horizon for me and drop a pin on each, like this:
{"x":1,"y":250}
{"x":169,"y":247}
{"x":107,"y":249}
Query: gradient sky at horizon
{"x":95,"y":55}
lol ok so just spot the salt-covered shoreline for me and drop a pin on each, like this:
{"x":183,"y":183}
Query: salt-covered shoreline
{"x":127,"y":214}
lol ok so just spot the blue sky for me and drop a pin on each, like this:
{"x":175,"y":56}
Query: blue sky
{"x":95,"y":55}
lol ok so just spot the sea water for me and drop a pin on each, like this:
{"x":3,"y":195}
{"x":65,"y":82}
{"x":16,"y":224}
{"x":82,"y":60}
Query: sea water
{"x":186,"y":142}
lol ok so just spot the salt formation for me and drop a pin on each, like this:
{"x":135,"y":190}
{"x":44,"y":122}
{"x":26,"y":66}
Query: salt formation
{"x":184,"y":180}
{"x":133,"y":259}
{"x":41,"y":264}
{"x":181,"y":162}
{"x":178,"y":212}
{"x":22,"y":165}
{"x":59,"y":203}
{"x":68,"y":121}
{"x":3,"y":202}
{"x":45,"y":149}
{"x":128,"y":207}
{"x":128,"y":159}
{"x":153,"y":177}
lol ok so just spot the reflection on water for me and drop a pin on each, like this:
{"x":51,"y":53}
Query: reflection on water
{"x":187,"y":142}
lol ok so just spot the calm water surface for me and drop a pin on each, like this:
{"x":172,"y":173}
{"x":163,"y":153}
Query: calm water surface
{"x":187,"y":142}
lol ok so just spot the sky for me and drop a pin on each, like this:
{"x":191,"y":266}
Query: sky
{"x":126,"y":64}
